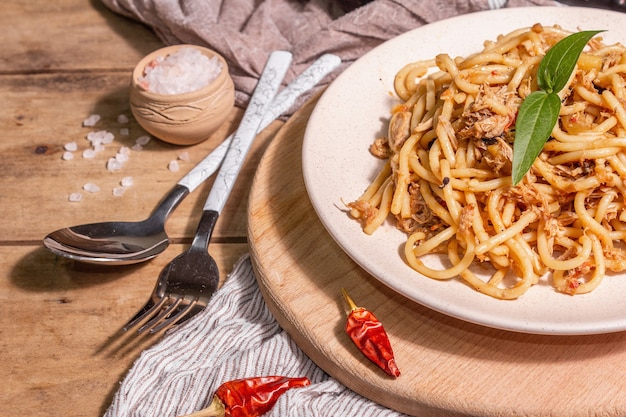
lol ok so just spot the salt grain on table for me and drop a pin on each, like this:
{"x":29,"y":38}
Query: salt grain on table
{"x":142,"y":140}
{"x":91,"y":120}
{"x":183,"y":71}
{"x":173,"y":166}
{"x":91,"y":187}
{"x":121,"y":157}
{"x":100,"y":137}
{"x":75,"y":197}
{"x":113,"y":165}
{"x":89,"y":154}
{"x":118,"y":191}
{"x":71,"y":146}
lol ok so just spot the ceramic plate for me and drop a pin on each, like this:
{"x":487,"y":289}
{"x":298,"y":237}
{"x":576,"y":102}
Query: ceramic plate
{"x":337,"y":168}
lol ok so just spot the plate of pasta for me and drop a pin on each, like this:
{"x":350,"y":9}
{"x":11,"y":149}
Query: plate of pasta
{"x":407,"y":162}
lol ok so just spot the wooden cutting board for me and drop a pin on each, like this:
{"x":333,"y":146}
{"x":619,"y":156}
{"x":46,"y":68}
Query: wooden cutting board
{"x":449,"y":367}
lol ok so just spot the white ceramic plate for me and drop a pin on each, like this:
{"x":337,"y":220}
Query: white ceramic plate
{"x":338,"y":167}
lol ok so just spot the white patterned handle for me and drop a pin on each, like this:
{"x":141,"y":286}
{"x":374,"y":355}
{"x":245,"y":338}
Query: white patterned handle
{"x":265,"y":90}
{"x":281,"y":103}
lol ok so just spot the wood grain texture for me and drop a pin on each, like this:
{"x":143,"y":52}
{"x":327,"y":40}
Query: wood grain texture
{"x":449,"y":367}
{"x":62,"y":351}
{"x":41,"y":36}
{"x":45,"y":112}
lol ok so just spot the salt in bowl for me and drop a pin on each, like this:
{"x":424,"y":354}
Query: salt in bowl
{"x":181,"y":118}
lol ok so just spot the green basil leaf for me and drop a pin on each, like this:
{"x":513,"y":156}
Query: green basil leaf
{"x":559,"y":62}
{"x":535,"y":120}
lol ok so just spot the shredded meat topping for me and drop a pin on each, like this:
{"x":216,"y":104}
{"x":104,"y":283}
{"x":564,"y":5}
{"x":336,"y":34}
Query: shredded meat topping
{"x":482,"y":121}
{"x":380,"y":148}
{"x":422,"y":218}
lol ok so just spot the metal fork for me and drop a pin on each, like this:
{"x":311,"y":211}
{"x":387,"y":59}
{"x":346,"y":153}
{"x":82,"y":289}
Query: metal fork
{"x":187,"y":283}
{"x":184,"y":286}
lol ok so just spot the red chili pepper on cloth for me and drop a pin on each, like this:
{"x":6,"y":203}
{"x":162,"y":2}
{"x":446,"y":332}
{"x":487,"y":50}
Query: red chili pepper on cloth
{"x":248,"y":397}
{"x":369,"y":335}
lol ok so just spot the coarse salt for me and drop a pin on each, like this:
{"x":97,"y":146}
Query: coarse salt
{"x":75,"y":197}
{"x":113,"y":165}
{"x":142,"y":140}
{"x":127,"y":182}
{"x":71,"y":146}
{"x":100,"y":137}
{"x":91,"y":120}
{"x":173,"y":166}
{"x":118,"y":191}
{"x":91,"y":187}
{"x":121,"y":157}
{"x":180,"y":72}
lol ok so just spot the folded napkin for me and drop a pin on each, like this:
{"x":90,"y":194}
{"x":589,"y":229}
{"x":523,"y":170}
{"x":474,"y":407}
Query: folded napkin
{"x":236,"y":336}
{"x":245,"y":32}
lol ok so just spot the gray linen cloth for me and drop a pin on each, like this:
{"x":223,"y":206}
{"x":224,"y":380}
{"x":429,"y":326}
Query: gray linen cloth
{"x":236,"y":336}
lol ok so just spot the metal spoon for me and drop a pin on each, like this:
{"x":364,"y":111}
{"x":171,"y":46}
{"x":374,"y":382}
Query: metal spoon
{"x":118,"y":243}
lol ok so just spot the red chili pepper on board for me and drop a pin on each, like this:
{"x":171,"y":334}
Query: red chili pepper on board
{"x":248,"y":397}
{"x":369,"y":335}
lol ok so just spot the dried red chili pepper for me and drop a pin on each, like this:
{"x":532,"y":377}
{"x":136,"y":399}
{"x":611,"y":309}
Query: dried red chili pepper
{"x":369,"y":335}
{"x":248,"y":397}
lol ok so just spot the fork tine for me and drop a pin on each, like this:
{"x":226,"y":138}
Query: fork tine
{"x":147,"y":312}
{"x":174,"y":319}
{"x":162,"y":315}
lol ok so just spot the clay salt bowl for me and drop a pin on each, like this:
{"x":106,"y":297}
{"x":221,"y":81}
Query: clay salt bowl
{"x":183,"y":118}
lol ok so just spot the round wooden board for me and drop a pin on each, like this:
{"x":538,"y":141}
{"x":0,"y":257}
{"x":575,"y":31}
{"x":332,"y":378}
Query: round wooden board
{"x":449,"y":367}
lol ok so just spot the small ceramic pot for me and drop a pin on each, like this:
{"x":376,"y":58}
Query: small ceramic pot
{"x":187,"y":118}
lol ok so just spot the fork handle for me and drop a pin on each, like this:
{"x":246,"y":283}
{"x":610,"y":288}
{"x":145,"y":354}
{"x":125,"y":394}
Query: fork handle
{"x":205,"y":229}
{"x":271,"y":78}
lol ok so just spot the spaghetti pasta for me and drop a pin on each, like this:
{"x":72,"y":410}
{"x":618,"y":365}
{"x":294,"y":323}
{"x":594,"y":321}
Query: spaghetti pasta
{"x":447,"y":179}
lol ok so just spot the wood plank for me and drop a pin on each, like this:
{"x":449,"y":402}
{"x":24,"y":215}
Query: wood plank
{"x":69,"y":35}
{"x":61,"y":348}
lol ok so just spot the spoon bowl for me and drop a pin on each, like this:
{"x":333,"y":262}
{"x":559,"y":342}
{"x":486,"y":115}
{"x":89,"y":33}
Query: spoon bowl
{"x":117,"y":243}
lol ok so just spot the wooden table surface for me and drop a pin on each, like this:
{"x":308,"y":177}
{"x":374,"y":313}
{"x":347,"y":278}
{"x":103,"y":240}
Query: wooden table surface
{"x":61,"y":349}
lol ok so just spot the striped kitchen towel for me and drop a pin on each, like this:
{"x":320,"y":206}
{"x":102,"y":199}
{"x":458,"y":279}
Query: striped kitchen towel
{"x":236,"y":336}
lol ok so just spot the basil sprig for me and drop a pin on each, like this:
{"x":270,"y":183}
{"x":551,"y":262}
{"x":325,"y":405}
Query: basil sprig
{"x":539,"y":111}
